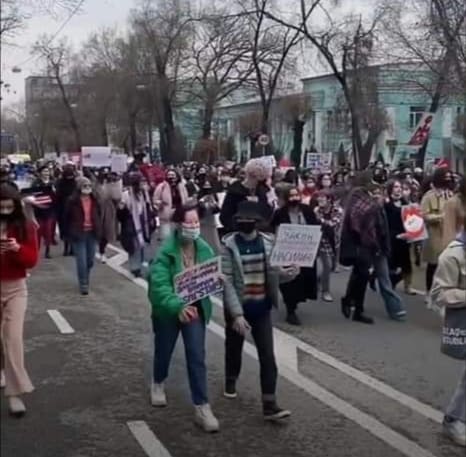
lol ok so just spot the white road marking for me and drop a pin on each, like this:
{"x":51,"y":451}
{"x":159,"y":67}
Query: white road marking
{"x":147,"y":440}
{"x":367,"y":422}
{"x":62,"y":324}
{"x":286,"y":346}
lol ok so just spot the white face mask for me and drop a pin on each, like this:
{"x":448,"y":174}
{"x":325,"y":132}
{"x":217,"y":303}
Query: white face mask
{"x":190,"y":233}
{"x":86,"y":191}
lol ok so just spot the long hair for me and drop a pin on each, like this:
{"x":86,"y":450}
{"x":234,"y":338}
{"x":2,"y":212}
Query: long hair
{"x":18,"y":220}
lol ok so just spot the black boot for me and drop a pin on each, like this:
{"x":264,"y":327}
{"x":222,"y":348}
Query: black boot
{"x":359,"y":316}
{"x":292,"y":318}
{"x":47,"y":252}
{"x":346,"y":307}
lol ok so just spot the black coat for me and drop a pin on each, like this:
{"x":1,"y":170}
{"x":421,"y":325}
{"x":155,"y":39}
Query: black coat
{"x":74,"y":216}
{"x":238,"y":193}
{"x":400,"y":253}
{"x":304,"y":286}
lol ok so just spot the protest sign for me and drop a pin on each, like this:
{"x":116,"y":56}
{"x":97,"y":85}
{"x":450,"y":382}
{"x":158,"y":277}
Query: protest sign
{"x":96,"y":156}
{"x":199,"y":282}
{"x":50,"y":156}
{"x":423,"y":129}
{"x":296,"y":245}
{"x":413,"y":223}
{"x":119,"y":163}
{"x":312,"y":160}
{"x":325,"y":159}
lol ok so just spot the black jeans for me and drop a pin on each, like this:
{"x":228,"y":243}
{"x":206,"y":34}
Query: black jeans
{"x":357,"y":284}
{"x":262,"y":333}
{"x":430,"y":272}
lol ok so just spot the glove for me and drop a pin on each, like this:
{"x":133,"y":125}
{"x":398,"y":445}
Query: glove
{"x":241,"y":325}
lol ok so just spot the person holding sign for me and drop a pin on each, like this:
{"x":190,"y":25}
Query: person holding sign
{"x":170,"y":316}
{"x":304,"y":286}
{"x":250,"y":292}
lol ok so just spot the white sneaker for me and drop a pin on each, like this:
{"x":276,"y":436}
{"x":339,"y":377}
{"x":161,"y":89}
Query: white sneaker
{"x":157,"y":395}
{"x":103,"y":258}
{"x":98,"y":256}
{"x":456,"y":431}
{"x":17,"y":407}
{"x":327,"y":297}
{"x":2,"y":379}
{"x":204,"y":418}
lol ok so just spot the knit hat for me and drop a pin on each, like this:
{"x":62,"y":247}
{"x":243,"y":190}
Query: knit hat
{"x":84,"y":181}
{"x":258,"y":169}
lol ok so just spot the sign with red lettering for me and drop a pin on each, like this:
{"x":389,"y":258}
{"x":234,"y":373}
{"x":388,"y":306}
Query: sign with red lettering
{"x":413,"y":223}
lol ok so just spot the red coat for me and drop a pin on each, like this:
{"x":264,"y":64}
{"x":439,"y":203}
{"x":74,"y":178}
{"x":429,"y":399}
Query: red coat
{"x":14,"y":265}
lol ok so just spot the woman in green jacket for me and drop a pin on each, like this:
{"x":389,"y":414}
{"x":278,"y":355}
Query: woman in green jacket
{"x":170,"y":316}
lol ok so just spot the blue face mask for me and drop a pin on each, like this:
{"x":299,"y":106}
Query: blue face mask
{"x":190,"y":233}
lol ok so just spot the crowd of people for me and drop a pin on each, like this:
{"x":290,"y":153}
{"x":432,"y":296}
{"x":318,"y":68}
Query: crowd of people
{"x":197,"y":212}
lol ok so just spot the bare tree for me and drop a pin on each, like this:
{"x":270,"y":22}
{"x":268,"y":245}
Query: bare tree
{"x":221,"y":61}
{"x":271,"y":51}
{"x":346,"y":47}
{"x":433,"y":33}
{"x":57,"y":58}
{"x":164,"y":28}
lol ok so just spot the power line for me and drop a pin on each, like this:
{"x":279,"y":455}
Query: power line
{"x":58,"y":31}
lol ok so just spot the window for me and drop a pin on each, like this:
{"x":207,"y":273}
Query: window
{"x":415,"y":115}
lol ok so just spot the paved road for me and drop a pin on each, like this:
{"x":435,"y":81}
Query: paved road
{"x":353,"y":390}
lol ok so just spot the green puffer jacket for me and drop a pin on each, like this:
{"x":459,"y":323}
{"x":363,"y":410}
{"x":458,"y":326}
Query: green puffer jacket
{"x":167,"y":264}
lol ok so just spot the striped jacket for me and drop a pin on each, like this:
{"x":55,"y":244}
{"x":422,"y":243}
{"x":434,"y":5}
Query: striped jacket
{"x":232,"y":268}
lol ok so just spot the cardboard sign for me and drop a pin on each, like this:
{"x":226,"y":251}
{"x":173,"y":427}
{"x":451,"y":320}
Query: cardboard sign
{"x":119,"y":163}
{"x":199,"y":282}
{"x":96,"y":156}
{"x":423,"y":130}
{"x":50,"y":156}
{"x":296,"y":245}
{"x":413,"y":223}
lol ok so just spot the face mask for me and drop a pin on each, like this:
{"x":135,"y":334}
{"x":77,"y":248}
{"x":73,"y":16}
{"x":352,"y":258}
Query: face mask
{"x":86,"y":191}
{"x":294,"y":203}
{"x":246,"y":227}
{"x":190,"y":233}
{"x":172,"y":181}
{"x":5,"y":217}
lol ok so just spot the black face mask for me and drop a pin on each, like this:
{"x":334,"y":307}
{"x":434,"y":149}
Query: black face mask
{"x":7,"y":217}
{"x":246,"y":227}
{"x":293,"y":203}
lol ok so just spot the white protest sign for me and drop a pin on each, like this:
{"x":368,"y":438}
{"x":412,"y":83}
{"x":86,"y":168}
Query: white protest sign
{"x":312,"y":160}
{"x":221,"y":198}
{"x":296,"y":245}
{"x":96,"y":156}
{"x":325,"y":159}
{"x":50,"y":156}
{"x":270,"y":161}
{"x":199,"y":282}
{"x":119,"y":163}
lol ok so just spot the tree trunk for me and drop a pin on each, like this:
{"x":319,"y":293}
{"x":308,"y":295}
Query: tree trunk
{"x":132,"y":133}
{"x":207,"y":121}
{"x":104,"y":133}
{"x":296,"y":153}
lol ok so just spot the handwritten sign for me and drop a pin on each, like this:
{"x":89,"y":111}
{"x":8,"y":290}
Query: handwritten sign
{"x":413,"y":223}
{"x":312,"y":160}
{"x":96,"y":156}
{"x":119,"y":163}
{"x":199,"y":282}
{"x":296,"y":245}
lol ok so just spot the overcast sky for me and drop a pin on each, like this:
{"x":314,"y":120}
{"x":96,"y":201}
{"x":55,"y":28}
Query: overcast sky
{"x":95,"y":14}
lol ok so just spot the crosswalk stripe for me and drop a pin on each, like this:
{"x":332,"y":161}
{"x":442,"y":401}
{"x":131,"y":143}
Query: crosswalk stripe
{"x":147,"y":440}
{"x":62,"y":324}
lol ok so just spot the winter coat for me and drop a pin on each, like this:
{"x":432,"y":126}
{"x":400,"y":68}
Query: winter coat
{"x":208,"y":209}
{"x":232,"y":268}
{"x":455,"y":212}
{"x":64,"y":190}
{"x":304,"y":286}
{"x":166,"y":265}
{"x":109,"y":195}
{"x":163,"y":194}
{"x":238,"y":193}
{"x":74,"y":216}
{"x":449,"y":286}
{"x":433,"y":205}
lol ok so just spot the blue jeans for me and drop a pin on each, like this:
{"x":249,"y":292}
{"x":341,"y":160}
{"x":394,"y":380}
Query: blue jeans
{"x":166,"y":333}
{"x":84,"y":252}
{"x":391,"y":299}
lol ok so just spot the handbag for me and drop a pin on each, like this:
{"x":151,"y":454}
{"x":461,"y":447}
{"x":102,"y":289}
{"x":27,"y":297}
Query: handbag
{"x":454,"y":333}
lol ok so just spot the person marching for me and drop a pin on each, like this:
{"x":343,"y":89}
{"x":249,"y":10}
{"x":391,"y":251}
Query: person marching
{"x":304,"y":286}
{"x":183,"y":249}
{"x":251,"y":290}
{"x":18,"y":253}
